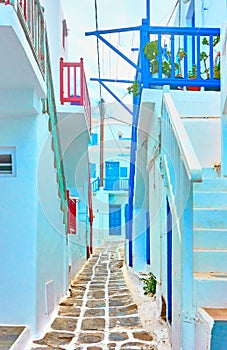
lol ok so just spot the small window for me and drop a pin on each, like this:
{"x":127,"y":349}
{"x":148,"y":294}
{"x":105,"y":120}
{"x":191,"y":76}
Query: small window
{"x":94,"y":139}
{"x":123,"y":172}
{"x":93,"y":170}
{"x":7,"y":162}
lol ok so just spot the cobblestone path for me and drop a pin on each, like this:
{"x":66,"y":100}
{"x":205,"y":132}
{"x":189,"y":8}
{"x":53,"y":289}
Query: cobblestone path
{"x":100,"y":313}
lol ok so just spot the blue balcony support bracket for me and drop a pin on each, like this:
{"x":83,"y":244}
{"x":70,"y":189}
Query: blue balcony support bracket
{"x":112,"y":94}
{"x":112,"y":47}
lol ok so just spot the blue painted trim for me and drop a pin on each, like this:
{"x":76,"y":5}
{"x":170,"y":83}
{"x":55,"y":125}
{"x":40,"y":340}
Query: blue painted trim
{"x":169,"y":261}
{"x":183,"y":30}
{"x":148,"y":239}
{"x":136,"y":103}
{"x":126,"y":221}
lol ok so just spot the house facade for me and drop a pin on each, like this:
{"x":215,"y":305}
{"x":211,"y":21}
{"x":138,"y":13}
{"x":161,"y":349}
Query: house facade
{"x":40,"y":248}
{"x":109,"y":156}
{"x":178,"y":229}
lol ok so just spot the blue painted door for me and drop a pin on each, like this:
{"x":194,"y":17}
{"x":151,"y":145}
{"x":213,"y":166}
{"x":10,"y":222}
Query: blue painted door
{"x":169,"y":262}
{"x":126,"y":221}
{"x":148,"y":238}
{"x":114,"y":219}
{"x":219,"y":336}
{"x":112,"y":170}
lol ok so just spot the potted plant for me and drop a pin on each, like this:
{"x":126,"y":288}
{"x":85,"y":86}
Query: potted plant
{"x":204,"y":55}
{"x":192,"y":74}
{"x":151,"y":52}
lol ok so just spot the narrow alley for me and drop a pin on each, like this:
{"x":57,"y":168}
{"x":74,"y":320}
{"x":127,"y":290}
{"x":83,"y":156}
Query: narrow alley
{"x":100,"y":312}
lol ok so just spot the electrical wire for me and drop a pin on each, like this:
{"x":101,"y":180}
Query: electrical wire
{"x":114,"y":137}
{"x":98,"y":55}
{"x":119,"y":120}
{"x":172,"y":12}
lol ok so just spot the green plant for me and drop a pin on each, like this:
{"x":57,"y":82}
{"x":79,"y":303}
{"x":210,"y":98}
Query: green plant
{"x":150,"y":284}
{"x":134,"y":89}
{"x":192,"y":74}
{"x":151,"y":52}
{"x":204,"y":57}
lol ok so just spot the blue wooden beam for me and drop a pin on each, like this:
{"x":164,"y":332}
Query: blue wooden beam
{"x":115,"y":96}
{"x":110,"y":31}
{"x":118,"y":52}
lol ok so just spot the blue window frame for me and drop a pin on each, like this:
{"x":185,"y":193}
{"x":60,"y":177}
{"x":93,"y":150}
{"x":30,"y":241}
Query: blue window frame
{"x":92,"y":170}
{"x":123,"y":171}
{"x":94,"y":139}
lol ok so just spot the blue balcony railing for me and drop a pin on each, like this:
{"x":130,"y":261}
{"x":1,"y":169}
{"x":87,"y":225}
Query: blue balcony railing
{"x":95,"y":184}
{"x":179,"y":56}
{"x":111,"y":184}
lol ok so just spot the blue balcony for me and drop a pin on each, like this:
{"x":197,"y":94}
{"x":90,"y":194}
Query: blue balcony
{"x":179,"y":57}
{"x":110,"y":184}
{"x":116,"y":184}
{"x":95,"y":185}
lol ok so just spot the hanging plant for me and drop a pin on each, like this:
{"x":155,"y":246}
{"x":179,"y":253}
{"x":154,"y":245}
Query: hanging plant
{"x":134,"y":89}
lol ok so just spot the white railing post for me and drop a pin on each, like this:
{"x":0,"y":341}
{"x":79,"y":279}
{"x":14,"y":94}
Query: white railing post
{"x":224,"y":100}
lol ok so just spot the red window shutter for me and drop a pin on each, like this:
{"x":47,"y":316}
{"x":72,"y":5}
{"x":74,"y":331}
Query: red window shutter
{"x":71,"y":214}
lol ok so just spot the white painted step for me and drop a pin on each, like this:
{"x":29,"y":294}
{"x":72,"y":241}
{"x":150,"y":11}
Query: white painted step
{"x":210,"y":199}
{"x":210,"y":290}
{"x":210,"y":173}
{"x":210,"y":260}
{"x":210,"y":218}
{"x":212,"y":185}
{"x":210,"y":238}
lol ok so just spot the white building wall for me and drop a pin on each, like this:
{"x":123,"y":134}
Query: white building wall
{"x":204,"y":13}
{"x":18,"y":234}
{"x":33,"y":239}
{"x":51,"y":241}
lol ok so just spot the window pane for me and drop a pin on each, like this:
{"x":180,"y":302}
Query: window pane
{"x":123,"y":172}
{"x":5,"y":159}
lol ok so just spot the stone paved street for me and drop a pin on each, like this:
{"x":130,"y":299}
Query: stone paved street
{"x":100,"y":312}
